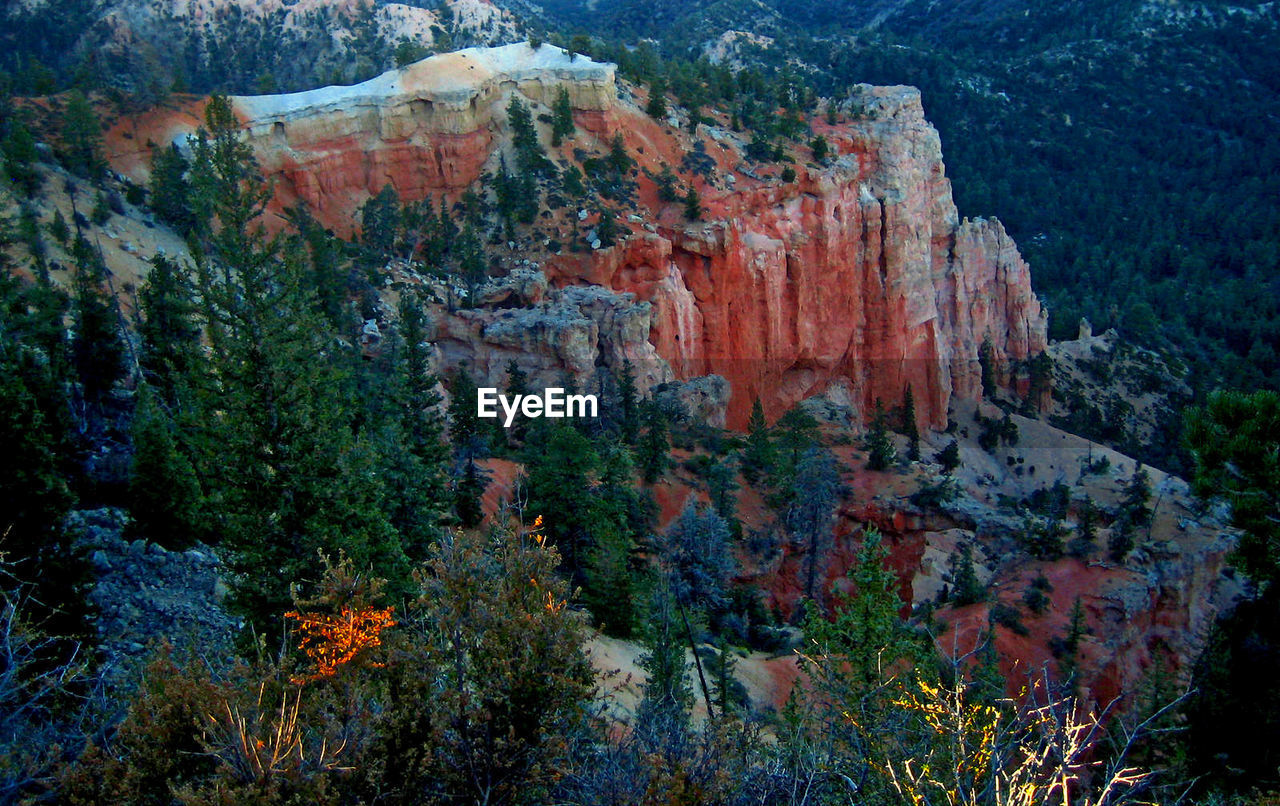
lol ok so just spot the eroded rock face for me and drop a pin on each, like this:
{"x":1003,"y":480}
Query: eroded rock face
{"x":858,"y":275}
{"x":424,"y":129}
{"x":855,"y":280}
{"x":568,"y":333}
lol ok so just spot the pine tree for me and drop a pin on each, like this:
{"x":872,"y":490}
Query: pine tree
{"x":468,"y":492}
{"x":949,"y":457}
{"x":657,"y":105}
{"x":20,"y":156}
{"x":692,"y":205}
{"x":880,"y":450}
{"x":668,"y":697}
{"x":58,"y":229}
{"x":814,"y":494}
{"x":164,"y":494}
{"x":467,"y":435}
{"x":419,"y":455}
{"x":170,"y":190}
{"x":654,"y":444}
{"x":82,"y":137}
{"x":866,"y":638}
{"x":758,"y":454}
{"x":562,"y":466}
{"x":101,"y":212}
{"x":820,"y":148}
{"x":607,"y":230}
{"x":169,"y":333}
{"x":1137,"y":492}
{"x":628,"y":403}
{"x":97,"y":347}
{"x":288,"y":470}
{"x":619,"y":160}
{"x":380,"y":224}
{"x":909,"y":426}
{"x":561,"y":117}
{"x":966,"y":589}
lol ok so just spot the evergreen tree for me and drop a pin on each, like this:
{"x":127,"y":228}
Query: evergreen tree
{"x":59,"y":230}
{"x":657,"y":105}
{"x":468,"y":492}
{"x":609,"y":588}
{"x":909,"y":426}
{"x":654,"y":444}
{"x":562,"y":467}
{"x":97,"y":347}
{"x":966,"y":589}
{"x":1137,"y":492}
{"x":607,"y":230}
{"x":380,"y":224}
{"x":860,"y":646}
{"x":814,"y":494}
{"x":668,"y":697}
{"x":82,"y":137}
{"x":1235,"y":439}
{"x":628,"y":403}
{"x":1120,"y":542}
{"x":758,"y":454}
{"x":561,"y":117}
{"x":880,"y":450}
{"x":101,"y":212}
{"x":949,"y":457}
{"x":467,"y":434}
{"x":169,"y":333}
{"x":164,"y":494}
{"x":170,"y":190}
{"x":288,"y":470}
{"x":696,"y":556}
{"x":20,"y":156}
{"x":619,"y":161}
{"x":821,"y":149}
{"x":417,"y":449}
{"x":517,"y":385}
{"x":692,"y":205}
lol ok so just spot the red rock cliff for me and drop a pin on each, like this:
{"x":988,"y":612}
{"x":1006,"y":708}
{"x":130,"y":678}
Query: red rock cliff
{"x":855,"y":280}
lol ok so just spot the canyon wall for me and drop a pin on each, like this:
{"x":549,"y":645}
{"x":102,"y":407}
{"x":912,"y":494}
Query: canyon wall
{"x":856,"y":279}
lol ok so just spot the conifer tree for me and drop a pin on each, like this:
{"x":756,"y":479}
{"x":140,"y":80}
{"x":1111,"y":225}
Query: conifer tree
{"x":866,"y":637}
{"x":880,"y":450}
{"x":164,"y":494}
{"x":692,"y":205}
{"x":288,"y":470}
{"x":949,"y":457}
{"x":82,"y":137}
{"x":657,"y":105}
{"x":170,"y":190}
{"x":758,"y":454}
{"x":561,"y":117}
{"x":168,"y":329}
{"x":814,"y":493}
{"x":97,"y":347}
{"x":668,"y":697}
{"x":909,"y":426}
{"x":966,"y":589}
{"x":654,"y":444}
{"x":629,"y":403}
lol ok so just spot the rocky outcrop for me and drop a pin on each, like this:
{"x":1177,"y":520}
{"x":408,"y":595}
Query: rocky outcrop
{"x":551,"y":335}
{"x":859,"y":275}
{"x":144,"y":594}
{"x":425,"y":129}
{"x":856,"y":280}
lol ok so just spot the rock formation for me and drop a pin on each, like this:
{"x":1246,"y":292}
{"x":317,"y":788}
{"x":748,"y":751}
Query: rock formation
{"x":856,"y":280}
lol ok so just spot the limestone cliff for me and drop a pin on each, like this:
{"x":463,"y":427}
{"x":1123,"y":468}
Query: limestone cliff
{"x":855,"y":279}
